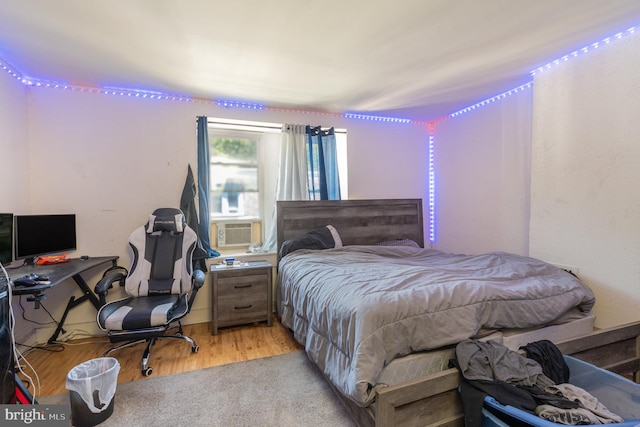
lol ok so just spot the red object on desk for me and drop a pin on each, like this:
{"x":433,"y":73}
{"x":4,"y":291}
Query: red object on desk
{"x":54,"y":259}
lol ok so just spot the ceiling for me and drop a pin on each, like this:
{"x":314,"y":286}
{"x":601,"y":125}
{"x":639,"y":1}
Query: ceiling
{"x":418,"y":59}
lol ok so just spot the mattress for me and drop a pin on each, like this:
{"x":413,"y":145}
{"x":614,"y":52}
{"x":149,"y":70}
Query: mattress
{"x":357,"y":309}
{"x":415,"y":365}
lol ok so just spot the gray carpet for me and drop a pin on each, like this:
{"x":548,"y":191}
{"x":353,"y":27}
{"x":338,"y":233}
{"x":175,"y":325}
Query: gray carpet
{"x":286,"y":390}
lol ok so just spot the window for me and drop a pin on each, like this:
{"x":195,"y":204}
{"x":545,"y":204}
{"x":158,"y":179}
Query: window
{"x":244,"y":158}
{"x":235,"y":181}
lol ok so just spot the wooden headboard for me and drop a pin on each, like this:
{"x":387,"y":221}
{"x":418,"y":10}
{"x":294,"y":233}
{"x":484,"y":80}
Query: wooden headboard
{"x":359,"y":222}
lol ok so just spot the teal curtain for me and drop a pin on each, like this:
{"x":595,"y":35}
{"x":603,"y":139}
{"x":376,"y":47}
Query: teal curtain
{"x":203,"y":187}
{"x":322,"y":164}
{"x":190,"y":210}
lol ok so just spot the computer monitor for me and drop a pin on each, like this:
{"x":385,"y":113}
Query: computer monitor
{"x":37,"y":235}
{"x":6,"y":238}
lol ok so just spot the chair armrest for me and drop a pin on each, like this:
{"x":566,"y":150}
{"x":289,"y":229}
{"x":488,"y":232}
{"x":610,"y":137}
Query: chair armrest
{"x":111,"y":276}
{"x":198,"y":278}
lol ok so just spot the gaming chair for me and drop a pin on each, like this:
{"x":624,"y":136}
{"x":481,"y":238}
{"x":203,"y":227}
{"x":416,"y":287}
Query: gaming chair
{"x":161,"y":284}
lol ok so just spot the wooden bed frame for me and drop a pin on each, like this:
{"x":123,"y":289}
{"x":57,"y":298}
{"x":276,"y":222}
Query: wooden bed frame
{"x":433,"y":399}
{"x":359,"y":222}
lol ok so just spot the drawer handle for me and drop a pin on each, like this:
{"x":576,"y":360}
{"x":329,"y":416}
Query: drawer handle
{"x":242,"y":286}
{"x":242,"y":307}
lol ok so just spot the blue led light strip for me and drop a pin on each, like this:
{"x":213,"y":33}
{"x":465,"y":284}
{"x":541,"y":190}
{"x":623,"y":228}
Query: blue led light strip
{"x":13,"y":73}
{"x":492,"y":99}
{"x":255,"y":106}
{"x":225,"y":103}
{"x":376,"y":118}
{"x":584,"y":50}
{"x":131,"y":93}
{"x":432,"y":188}
{"x":575,"y":53}
{"x":239,"y":104}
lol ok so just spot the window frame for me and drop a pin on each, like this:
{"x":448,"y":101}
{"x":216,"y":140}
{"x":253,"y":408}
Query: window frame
{"x":219,"y":127}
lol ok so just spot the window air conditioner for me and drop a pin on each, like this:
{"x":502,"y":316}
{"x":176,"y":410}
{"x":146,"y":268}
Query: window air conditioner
{"x":235,"y":233}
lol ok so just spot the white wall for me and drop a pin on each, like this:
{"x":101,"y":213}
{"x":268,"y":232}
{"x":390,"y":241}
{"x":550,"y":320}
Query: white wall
{"x":112,"y":160}
{"x":387,"y":160}
{"x":585,"y":195}
{"x":14,"y":153}
{"x":482,"y":163}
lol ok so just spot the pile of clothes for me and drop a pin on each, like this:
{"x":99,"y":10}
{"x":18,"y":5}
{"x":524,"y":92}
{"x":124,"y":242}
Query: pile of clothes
{"x":536,"y":383}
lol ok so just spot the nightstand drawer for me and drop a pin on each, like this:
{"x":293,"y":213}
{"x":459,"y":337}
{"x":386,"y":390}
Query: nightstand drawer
{"x":243,"y":286}
{"x":237,"y":311}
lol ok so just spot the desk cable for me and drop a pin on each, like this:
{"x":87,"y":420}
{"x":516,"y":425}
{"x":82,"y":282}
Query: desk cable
{"x":16,"y":353}
{"x":24,"y":317}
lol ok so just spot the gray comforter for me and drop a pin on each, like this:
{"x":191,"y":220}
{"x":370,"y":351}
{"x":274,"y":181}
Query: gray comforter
{"x":357,"y":308}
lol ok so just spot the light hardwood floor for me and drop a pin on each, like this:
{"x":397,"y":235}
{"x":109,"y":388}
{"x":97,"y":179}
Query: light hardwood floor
{"x":234,"y":344}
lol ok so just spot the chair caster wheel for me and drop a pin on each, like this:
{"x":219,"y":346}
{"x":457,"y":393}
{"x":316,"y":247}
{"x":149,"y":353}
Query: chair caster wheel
{"x":147,"y":372}
{"x":195,"y":349}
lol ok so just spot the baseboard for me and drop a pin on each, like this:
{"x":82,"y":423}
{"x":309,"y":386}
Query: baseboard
{"x":71,"y":331}
{"x":200,"y":315}
{"x":40,"y":336}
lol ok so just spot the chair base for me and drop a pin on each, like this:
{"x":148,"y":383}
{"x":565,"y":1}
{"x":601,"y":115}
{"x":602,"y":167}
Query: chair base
{"x":150,"y":338}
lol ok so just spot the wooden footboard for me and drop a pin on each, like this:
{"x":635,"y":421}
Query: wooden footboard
{"x":433,"y":400}
{"x":615,"y":349}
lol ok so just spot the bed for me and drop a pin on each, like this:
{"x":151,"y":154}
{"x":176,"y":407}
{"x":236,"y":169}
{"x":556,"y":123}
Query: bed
{"x":382,"y":364}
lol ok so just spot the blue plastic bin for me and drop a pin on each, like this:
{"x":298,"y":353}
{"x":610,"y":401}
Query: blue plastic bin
{"x":491,"y":420}
{"x":620,"y":395}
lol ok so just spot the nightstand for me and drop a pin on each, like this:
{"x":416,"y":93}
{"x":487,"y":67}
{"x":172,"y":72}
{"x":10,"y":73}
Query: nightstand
{"x":241,"y":294}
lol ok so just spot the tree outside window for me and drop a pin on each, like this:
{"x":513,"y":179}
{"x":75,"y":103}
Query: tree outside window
{"x":234,"y":177}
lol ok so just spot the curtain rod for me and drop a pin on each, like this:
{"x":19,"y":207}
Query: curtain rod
{"x":335,"y":130}
{"x":233,"y":124}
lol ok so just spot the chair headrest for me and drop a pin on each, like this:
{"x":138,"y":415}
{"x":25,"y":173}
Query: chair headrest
{"x":166,"y":219}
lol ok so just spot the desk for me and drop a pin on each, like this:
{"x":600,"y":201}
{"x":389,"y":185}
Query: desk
{"x":57,"y":274}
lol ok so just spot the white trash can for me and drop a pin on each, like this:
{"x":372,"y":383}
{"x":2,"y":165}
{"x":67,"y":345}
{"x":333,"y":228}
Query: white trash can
{"x":92,"y":386}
